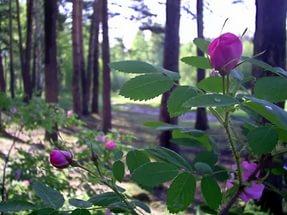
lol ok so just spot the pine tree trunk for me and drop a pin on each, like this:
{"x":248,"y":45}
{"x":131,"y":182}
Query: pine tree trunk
{"x":170,"y":62}
{"x":95,"y":68}
{"x":20,"y":43}
{"x":2,"y":78}
{"x":11,"y":56}
{"x":107,"y":115}
{"x":270,"y":36}
{"x":77,"y":55}
{"x":201,"y":121}
{"x":51,"y":74}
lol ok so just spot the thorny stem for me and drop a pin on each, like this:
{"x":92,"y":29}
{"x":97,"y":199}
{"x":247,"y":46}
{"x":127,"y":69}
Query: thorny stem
{"x":103,"y":181}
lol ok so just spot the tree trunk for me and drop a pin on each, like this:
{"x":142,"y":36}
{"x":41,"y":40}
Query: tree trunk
{"x":2,"y":78}
{"x":51,"y":76}
{"x":21,"y":54}
{"x":77,"y":55}
{"x":26,"y":72}
{"x":170,"y":62}
{"x":107,"y":114}
{"x":11,"y":57}
{"x":201,"y":121}
{"x":93,"y":56}
{"x":270,"y":36}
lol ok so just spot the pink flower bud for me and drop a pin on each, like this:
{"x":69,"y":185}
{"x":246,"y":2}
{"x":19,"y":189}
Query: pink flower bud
{"x":101,"y":138}
{"x":110,"y":145}
{"x":61,"y":159}
{"x":70,"y":113}
{"x":225,"y":52}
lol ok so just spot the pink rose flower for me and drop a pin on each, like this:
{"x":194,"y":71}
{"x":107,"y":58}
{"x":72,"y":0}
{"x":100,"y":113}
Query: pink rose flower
{"x":61,"y":159}
{"x":225,"y":52}
{"x":70,"y":113}
{"x":255,"y":189}
{"x":110,"y":145}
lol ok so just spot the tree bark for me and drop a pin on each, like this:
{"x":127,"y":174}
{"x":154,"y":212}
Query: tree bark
{"x":11,"y":56}
{"x":270,"y":36}
{"x":20,"y":43}
{"x":77,"y":55}
{"x":170,"y":62}
{"x":2,"y":78}
{"x":201,"y":121}
{"x":51,"y":74}
{"x":107,"y":114}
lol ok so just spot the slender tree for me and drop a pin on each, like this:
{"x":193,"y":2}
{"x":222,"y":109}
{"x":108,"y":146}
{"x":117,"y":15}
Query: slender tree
{"x":20,"y":42}
{"x":95,"y":68}
{"x":77,"y":55}
{"x":27,"y":63}
{"x":2,"y":78}
{"x":270,"y":36}
{"x":170,"y":62}
{"x":107,"y":114}
{"x":201,"y":121}
{"x":51,"y":74}
{"x":11,"y":56}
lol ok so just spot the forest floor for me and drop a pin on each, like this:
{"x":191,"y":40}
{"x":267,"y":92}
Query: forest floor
{"x":129,"y":119}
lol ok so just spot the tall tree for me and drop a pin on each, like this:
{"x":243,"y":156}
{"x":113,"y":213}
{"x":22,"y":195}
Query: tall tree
{"x":27,"y":62}
{"x":78,"y":58}
{"x":11,"y":56}
{"x":170,"y":62}
{"x":20,"y":42}
{"x":107,"y":112}
{"x":2,"y":78}
{"x":51,"y":74}
{"x":95,"y":55}
{"x":201,"y":121}
{"x":270,"y":36}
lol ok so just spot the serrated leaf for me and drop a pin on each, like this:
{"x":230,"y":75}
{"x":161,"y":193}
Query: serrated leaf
{"x":202,"y":44}
{"x":177,"y":98}
{"x":49,"y":196}
{"x":133,"y":66}
{"x":211,"y":84}
{"x":169,"y":156}
{"x":181,"y":192}
{"x":146,"y":87}
{"x":81,"y":212}
{"x":15,"y":206}
{"x":155,"y":173}
{"x":211,"y":192}
{"x":79,"y":203}
{"x":210,"y":100}
{"x":136,"y":158}
{"x":272,"y":89}
{"x":105,"y":199}
{"x":118,"y":170}
{"x":262,"y":140}
{"x":197,"y":61}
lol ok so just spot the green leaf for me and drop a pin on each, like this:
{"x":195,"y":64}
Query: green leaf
{"x":202,"y":168}
{"x":198,"y":62}
{"x":207,"y":210}
{"x":211,"y":84}
{"x":118,"y":170}
{"x":81,"y":212}
{"x":178,"y":96}
{"x":15,"y":206}
{"x":133,"y":66}
{"x":136,"y":158}
{"x":211,"y":192}
{"x":146,"y":87}
{"x":206,"y":157}
{"x":210,"y":100}
{"x":80,"y":203}
{"x":202,"y":44}
{"x":220,"y":173}
{"x":269,"y":111}
{"x":141,"y":205}
{"x":272,"y":89}
{"x":181,"y":192}
{"x":45,"y":211}
{"x":49,"y":196}
{"x":155,"y":173}
{"x":161,"y":126}
{"x":262,"y":140}
{"x":105,"y":199}
{"x":169,"y":156}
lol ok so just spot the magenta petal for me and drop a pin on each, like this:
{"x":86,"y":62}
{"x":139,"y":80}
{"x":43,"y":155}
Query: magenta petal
{"x":248,"y":169}
{"x":255,"y":190}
